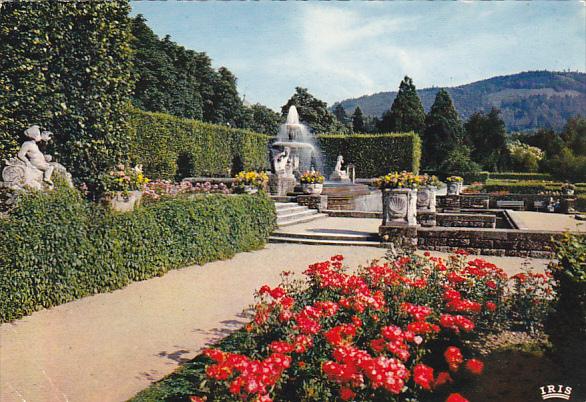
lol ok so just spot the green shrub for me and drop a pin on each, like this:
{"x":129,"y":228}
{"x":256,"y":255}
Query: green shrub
{"x":171,"y":147}
{"x":521,"y":187}
{"x":57,"y":247}
{"x":566,"y":327}
{"x":66,"y":66}
{"x":473,"y":177}
{"x":520,"y":176}
{"x":373,"y":155}
{"x":581,"y":202}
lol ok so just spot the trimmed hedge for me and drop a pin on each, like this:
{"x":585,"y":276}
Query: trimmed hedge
{"x":373,"y":155}
{"x":171,"y":147}
{"x":473,"y":177}
{"x":520,"y":176}
{"x":57,"y":247}
{"x":581,"y":202}
{"x":521,"y":187}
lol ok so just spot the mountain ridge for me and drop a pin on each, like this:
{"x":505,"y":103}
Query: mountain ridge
{"x":528,"y":100}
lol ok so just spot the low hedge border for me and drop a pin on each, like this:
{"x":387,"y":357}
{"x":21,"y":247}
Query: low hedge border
{"x":373,"y":155}
{"x":520,"y":176}
{"x":58,"y":247}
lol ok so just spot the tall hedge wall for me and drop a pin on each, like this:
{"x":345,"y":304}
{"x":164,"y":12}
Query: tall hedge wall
{"x":57,"y":247}
{"x":373,"y":155}
{"x":66,"y":66}
{"x":171,"y":147}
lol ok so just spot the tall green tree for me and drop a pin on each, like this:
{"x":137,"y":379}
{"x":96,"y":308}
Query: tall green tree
{"x":313,"y":112}
{"x":358,"y":121}
{"x":66,"y":66}
{"x":261,"y":119}
{"x":443,"y":131}
{"x":340,"y":114}
{"x":487,"y":135}
{"x":406,"y":113}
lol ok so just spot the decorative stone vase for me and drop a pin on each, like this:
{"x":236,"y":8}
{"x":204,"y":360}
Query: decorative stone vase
{"x":312,"y":188}
{"x":122,"y":201}
{"x":248,"y":189}
{"x":399,"y":207}
{"x":568,"y":191}
{"x":454,"y":188}
{"x":426,"y":198}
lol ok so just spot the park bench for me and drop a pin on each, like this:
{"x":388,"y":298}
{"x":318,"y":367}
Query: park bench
{"x":511,"y":204}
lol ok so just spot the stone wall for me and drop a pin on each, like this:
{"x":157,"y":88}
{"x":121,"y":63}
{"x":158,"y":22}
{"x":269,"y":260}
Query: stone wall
{"x":466,"y":220}
{"x":340,"y":203}
{"x":319,"y":202}
{"x":503,"y":242}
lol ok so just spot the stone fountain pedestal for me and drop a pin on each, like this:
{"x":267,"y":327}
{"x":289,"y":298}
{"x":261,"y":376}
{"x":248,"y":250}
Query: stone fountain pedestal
{"x":281,"y":185}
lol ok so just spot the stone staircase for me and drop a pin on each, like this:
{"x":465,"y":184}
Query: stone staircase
{"x":366,"y":240}
{"x":291,"y":213}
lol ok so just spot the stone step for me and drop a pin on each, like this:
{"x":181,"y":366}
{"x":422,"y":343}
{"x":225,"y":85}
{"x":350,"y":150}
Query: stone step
{"x":300,"y":219}
{"x":289,"y":207}
{"x":295,"y":240}
{"x":328,"y":236}
{"x":283,"y":198}
{"x":294,"y":213}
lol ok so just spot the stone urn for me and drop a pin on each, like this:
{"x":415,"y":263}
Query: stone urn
{"x":121,"y":201}
{"x":248,"y":189}
{"x":399,"y":207}
{"x":312,"y":188}
{"x":426,"y":197}
{"x":454,"y":188}
{"x":568,"y":191}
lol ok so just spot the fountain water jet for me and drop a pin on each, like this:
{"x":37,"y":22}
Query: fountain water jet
{"x":301,"y":143}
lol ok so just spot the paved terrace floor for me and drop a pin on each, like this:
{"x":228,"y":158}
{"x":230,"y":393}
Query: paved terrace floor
{"x":108,"y":347}
{"x":548,"y":221}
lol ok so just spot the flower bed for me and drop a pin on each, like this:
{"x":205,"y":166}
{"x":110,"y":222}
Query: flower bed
{"x":391,"y":331}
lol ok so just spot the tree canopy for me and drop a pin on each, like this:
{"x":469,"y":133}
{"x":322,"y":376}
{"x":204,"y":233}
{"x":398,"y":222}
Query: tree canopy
{"x":487,"y":135}
{"x":358,"y":121}
{"x":443,"y":130}
{"x":406,"y":113}
{"x":313,"y":112}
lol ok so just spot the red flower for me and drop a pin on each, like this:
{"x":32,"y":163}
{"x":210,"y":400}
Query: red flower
{"x":423,"y":375}
{"x":194,"y":398}
{"x":346,"y":393}
{"x":453,"y":357}
{"x":490,"y":306}
{"x":443,"y":378}
{"x":475,"y":366}
{"x":277,"y":293}
{"x":456,"y":398}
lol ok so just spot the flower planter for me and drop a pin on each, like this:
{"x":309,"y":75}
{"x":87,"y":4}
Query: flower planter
{"x":426,"y":198}
{"x":454,"y":188}
{"x":312,"y":188}
{"x":121,"y":201}
{"x":247,"y":189}
{"x":567,"y":191}
{"x":399,"y":207}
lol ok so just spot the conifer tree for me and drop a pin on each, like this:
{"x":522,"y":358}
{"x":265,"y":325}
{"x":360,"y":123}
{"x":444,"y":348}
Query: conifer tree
{"x":487,"y":135}
{"x":406,"y":113}
{"x":358,"y":121}
{"x":443,"y":130}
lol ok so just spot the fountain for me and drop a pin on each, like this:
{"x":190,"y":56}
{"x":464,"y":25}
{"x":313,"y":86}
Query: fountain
{"x":298,"y":142}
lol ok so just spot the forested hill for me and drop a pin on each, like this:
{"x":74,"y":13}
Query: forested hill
{"x":528,"y":100}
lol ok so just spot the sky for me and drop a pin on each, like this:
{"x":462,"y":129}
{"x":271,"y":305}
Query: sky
{"x":342,"y":49}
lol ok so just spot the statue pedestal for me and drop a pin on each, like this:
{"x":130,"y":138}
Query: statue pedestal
{"x":281,"y":185}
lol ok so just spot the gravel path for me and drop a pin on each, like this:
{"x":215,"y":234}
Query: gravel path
{"x":108,"y":347}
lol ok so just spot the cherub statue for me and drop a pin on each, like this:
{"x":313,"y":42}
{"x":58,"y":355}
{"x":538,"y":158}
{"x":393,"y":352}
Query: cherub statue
{"x":280,"y":161}
{"x":338,"y":174}
{"x":31,"y":154}
{"x":31,"y":168}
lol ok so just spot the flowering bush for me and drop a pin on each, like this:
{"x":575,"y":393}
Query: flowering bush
{"x":158,"y":189}
{"x":251,"y":178}
{"x":398,"y":180}
{"x":427,"y":180}
{"x":312,"y":178}
{"x":390,"y":331}
{"x":124,"y":179}
{"x":454,"y":179}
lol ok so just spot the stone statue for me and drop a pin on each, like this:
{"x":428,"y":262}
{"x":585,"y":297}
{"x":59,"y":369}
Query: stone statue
{"x":339,"y":174}
{"x":31,"y":168}
{"x":280,"y":161}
